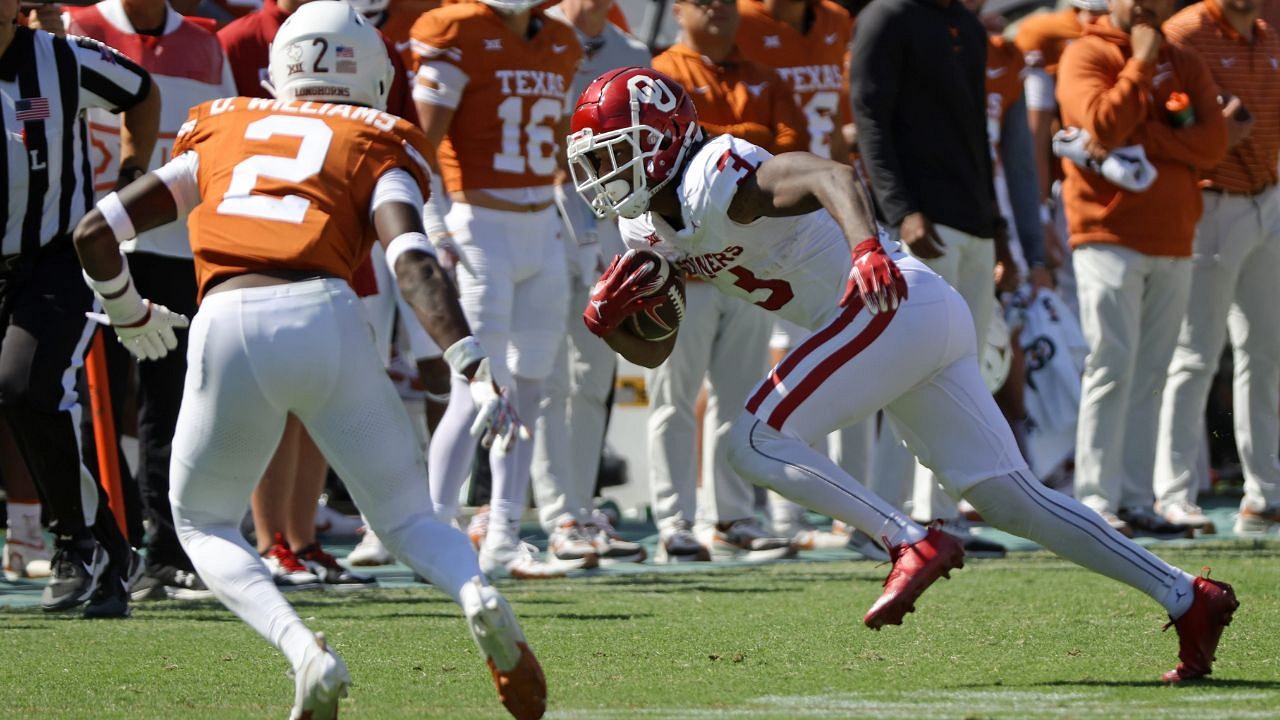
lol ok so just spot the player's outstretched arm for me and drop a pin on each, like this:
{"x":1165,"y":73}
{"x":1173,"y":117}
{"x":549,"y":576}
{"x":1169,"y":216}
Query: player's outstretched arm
{"x":146,"y":329}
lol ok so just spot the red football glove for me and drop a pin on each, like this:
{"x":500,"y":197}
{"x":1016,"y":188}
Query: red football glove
{"x":617,"y":294}
{"x":875,"y":277}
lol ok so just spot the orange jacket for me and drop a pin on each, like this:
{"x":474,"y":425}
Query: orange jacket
{"x":1121,"y":101}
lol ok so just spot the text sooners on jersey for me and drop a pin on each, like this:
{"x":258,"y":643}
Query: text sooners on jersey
{"x":287,"y":184}
{"x":503,"y":133}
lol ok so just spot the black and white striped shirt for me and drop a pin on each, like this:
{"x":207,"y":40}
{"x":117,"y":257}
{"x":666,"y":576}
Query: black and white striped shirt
{"x":46,"y":83}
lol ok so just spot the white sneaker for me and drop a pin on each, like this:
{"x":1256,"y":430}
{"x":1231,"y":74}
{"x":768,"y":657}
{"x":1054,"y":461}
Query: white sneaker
{"x":26,"y":558}
{"x":569,"y":544}
{"x":332,"y":523}
{"x":1252,"y":522}
{"x":746,"y":540}
{"x":478,"y":527}
{"x":804,"y":536}
{"x":518,"y":560}
{"x":370,"y":551}
{"x":678,"y":544}
{"x":522,"y":687}
{"x":319,"y":684}
{"x":1181,"y":512}
{"x":611,"y":547}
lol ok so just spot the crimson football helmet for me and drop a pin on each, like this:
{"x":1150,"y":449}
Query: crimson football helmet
{"x":645,"y":123}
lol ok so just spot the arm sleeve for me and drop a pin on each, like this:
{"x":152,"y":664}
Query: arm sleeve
{"x":439,"y":83}
{"x":108,"y":79}
{"x":182,"y":176}
{"x":395,"y":185}
{"x":1038,"y":87}
{"x":1110,"y":109}
{"x":878,"y":53}
{"x":1022,"y":179}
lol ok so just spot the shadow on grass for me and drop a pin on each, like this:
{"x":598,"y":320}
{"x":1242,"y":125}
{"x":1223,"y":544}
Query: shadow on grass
{"x":594,"y":616}
{"x":1209,"y":683}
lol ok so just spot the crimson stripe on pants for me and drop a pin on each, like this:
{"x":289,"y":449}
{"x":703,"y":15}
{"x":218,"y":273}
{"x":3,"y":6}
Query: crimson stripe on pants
{"x":806,"y":348}
{"x":827,"y":368}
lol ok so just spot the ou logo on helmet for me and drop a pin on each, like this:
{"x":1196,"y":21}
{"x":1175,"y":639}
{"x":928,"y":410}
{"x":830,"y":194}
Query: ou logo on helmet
{"x":651,"y":91}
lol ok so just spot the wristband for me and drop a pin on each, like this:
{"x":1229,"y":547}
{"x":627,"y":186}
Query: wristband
{"x":117,"y":218}
{"x":402,"y":244}
{"x":463,"y":354}
{"x":120,"y":299}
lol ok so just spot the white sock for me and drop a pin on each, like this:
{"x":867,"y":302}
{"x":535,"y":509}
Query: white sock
{"x":24,"y":521}
{"x":236,"y":575}
{"x":451,"y":451}
{"x":1020,"y":504}
{"x":768,"y":458}
{"x":511,"y":471}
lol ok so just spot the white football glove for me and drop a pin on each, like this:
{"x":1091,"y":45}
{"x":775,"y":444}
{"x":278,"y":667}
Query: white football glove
{"x":445,"y":241}
{"x":151,"y":337}
{"x":496,"y":423}
{"x":1125,"y":167}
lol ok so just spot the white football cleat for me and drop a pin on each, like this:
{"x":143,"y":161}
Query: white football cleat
{"x":370,"y":551}
{"x":519,"y":560}
{"x":678,"y":544}
{"x":522,"y":687}
{"x":746,"y":540}
{"x":26,"y":559}
{"x":319,"y":684}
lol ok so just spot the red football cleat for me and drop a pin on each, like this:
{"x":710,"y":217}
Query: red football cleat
{"x":915,"y":568}
{"x":1200,"y":628}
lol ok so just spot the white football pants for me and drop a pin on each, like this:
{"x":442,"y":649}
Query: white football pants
{"x":255,"y":356}
{"x":967,"y":265}
{"x":1235,"y":293}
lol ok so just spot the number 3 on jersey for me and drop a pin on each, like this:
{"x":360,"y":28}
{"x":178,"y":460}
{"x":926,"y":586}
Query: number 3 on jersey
{"x":239,"y":199}
{"x":539,"y":142}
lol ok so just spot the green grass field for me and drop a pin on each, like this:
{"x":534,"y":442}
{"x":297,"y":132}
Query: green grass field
{"x":1027,"y":636}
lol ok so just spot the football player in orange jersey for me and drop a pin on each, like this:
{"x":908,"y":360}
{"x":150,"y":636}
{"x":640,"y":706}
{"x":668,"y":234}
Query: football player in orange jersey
{"x":285,"y":198}
{"x":491,"y":95}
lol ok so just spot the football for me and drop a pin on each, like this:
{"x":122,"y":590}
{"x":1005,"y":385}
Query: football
{"x":660,"y":321}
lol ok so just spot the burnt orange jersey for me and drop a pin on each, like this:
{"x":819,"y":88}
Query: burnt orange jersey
{"x":400,"y":17}
{"x":1004,"y":76}
{"x":504,"y":130}
{"x":287,"y":185}
{"x":738,"y":97}
{"x":813,"y":63}
{"x":1044,"y":36}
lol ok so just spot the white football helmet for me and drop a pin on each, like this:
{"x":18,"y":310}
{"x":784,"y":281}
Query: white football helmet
{"x":328,"y":52}
{"x":511,"y":7}
{"x":369,"y":8}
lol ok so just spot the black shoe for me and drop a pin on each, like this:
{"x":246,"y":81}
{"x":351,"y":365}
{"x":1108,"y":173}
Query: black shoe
{"x":166,"y":582}
{"x":76,"y":569}
{"x":330,"y":572}
{"x":1145,"y":520}
{"x":111,"y":599}
{"x":975,"y":546}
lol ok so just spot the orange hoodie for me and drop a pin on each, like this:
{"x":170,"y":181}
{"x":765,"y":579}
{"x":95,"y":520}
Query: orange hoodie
{"x":1121,"y":101}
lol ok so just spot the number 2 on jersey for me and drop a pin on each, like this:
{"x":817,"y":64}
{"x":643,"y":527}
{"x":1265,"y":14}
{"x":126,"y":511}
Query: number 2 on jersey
{"x":239,"y":199}
{"x":539,"y":138}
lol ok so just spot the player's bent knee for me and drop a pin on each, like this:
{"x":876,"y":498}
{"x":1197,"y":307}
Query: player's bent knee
{"x":747,"y":454}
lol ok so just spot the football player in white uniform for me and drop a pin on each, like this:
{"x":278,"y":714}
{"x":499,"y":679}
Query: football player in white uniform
{"x":795,"y":234}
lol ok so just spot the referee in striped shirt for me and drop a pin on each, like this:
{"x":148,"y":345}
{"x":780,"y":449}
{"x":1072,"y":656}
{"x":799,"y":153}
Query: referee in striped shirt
{"x":47,"y":82}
